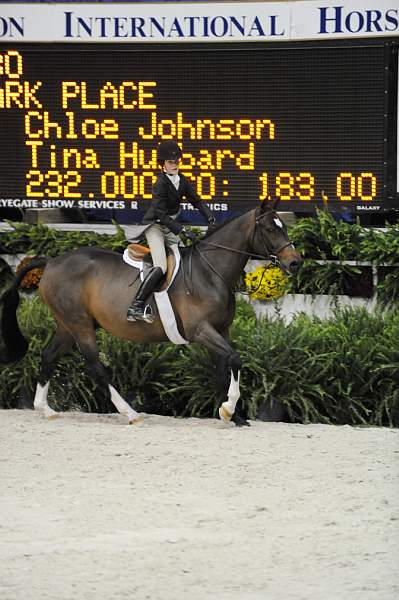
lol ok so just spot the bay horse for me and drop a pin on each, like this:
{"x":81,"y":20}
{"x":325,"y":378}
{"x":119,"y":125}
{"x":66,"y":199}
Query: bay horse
{"x":92,"y":287}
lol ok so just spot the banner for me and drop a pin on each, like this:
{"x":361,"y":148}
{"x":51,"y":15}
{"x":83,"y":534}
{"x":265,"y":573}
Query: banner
{"x":198,"y":22}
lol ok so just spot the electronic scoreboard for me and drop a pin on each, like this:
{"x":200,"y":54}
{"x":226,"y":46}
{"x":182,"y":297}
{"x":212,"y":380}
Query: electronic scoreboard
{"x":308,"y":124}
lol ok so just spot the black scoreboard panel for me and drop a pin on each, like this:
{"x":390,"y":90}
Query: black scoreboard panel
{"x":308,"y":125}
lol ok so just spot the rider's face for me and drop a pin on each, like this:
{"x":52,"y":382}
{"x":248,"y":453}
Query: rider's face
{"x":171,"y":167}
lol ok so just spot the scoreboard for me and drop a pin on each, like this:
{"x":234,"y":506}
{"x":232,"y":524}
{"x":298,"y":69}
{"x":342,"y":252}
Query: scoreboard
{"x":310,"y":124}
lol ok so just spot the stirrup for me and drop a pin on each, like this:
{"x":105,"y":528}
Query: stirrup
{"x":148,"y":315}
{"x":135,"y":314}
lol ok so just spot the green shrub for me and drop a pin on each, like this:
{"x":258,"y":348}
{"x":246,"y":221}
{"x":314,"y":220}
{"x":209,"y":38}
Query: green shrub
{"x":318,"y":237}
{"x":42,"y":240}
{"x":321,"y":237}
{"x":380,"y":246}
{"x":341,"y":370}
{"x":329,"y":278}
{"x":70,"y":388}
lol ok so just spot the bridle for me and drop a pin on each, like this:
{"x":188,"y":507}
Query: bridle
{"x":271,"y":254}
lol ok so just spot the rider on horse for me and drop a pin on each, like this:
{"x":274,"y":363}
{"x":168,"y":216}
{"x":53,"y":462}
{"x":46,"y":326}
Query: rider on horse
{"x":167,"y":193}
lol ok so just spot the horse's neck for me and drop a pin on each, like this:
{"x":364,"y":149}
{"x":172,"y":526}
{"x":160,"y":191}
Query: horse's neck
{"x":233,"y":241}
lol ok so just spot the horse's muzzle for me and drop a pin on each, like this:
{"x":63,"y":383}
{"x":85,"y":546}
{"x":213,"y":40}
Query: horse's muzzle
{"x":291,"y":263}
{"x":295,"y":265}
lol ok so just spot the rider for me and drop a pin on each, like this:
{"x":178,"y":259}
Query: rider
{"x":167,"y":193}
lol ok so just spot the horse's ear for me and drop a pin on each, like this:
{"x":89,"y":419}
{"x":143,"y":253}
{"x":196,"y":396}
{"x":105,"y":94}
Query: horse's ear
{"x":269,"y":204}
{"x":275,"y":203}
{"x":264,"y":206}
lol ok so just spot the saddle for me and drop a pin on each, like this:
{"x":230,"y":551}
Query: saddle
{"x":142,"y":256}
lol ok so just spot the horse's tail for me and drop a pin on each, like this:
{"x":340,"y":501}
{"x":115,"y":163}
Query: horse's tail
{"x":15,"y":344}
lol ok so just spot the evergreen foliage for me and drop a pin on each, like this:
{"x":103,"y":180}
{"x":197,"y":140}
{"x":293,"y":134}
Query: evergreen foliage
{"x":341,"y":370}
{"x":317,"y":238}
{"x":45,"y":241}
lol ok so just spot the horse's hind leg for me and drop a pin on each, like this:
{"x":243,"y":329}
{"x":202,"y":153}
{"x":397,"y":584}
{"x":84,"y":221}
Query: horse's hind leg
{"x":61,"y":343}
{"x":96,"y":370}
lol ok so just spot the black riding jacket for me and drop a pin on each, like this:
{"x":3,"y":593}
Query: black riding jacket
{"x":166,"y":202}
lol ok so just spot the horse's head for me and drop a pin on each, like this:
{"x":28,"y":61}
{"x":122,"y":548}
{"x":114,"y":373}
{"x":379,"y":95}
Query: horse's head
{"x":270,"y":239}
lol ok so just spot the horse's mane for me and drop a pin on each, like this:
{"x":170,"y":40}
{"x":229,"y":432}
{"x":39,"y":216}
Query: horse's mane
{"x":223,"y":223}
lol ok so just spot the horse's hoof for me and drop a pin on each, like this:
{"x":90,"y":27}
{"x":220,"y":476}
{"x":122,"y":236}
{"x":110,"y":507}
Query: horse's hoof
{"x":52,"y":416}
{"x":239,"y":421}
{"x":136,"y":421}
{"x":224,"y":414}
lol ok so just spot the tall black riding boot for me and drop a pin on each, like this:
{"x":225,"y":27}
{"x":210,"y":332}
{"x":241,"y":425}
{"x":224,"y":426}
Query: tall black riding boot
{"x":136,"y":311}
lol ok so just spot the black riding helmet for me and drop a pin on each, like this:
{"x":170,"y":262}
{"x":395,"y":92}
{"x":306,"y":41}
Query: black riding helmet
{"x":168,"y":151}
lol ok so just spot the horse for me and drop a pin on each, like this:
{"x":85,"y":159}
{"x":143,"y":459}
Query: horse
{"x":91,"y":287}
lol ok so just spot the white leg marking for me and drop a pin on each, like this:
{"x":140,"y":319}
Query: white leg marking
{"x":40,"y":402}
{"x":226,"y":411}
{"x":123,"y":407}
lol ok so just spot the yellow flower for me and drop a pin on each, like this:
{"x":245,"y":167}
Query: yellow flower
{"x":266,"y":283}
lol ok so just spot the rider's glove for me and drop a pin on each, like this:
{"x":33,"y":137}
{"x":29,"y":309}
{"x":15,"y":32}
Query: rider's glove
{"x":187,"y":234}
{"x":211,"y":225}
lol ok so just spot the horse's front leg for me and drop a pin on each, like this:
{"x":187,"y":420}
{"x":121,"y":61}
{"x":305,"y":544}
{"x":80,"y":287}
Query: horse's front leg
{"x":207,"y":336}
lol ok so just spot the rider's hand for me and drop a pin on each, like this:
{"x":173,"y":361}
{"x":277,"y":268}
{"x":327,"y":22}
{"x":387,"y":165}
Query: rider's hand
{"x":187,"y":234}
{"x":211,"y":225}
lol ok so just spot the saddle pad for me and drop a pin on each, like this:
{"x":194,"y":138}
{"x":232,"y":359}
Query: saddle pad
{"x":139,"y":257}
{"x":138,"y":264}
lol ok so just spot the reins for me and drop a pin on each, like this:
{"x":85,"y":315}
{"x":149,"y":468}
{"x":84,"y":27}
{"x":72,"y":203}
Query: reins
{"x":271,"y":256}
